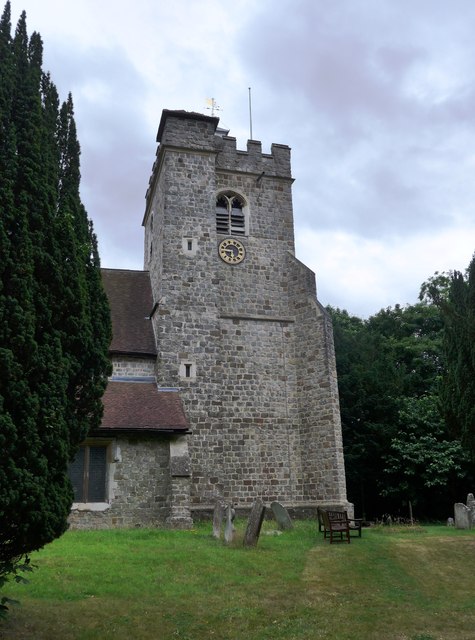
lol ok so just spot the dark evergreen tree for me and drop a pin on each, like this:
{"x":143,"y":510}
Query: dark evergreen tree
{"x":415,"y":335}
{"x":458,"y":383}
{"x":54,"y":320}
{"x":87,"y":332}
{"x":369,"y":386}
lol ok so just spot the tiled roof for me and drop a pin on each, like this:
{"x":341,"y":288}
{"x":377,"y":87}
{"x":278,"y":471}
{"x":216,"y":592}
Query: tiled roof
{"x":130,"y":300}
{"x":141,"y":406}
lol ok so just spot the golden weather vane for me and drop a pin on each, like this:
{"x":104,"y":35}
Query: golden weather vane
{"x":211,"y":102}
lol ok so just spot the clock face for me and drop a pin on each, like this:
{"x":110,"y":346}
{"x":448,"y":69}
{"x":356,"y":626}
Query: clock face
{"x":231,"y":251}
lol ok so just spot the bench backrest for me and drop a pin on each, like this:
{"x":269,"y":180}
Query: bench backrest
{"x":329,"y":517}
{"x":337,"y":515}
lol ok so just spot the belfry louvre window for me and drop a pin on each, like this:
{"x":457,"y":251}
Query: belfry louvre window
{"x":87,"y":473}
{"x":230,"y":216}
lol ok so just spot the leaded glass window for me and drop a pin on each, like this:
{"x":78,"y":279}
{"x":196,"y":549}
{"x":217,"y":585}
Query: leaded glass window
{"x":88,"y":473}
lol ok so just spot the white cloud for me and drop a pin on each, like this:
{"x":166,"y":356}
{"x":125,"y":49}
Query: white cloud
{"x":353,"y":272}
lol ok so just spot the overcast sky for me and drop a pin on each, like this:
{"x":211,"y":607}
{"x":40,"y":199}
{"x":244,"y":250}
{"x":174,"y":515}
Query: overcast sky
{"x":376,"y":98}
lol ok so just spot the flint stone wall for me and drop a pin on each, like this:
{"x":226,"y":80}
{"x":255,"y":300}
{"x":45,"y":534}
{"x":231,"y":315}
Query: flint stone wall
{"x":138,"y":487}
{"x":133,"y":367}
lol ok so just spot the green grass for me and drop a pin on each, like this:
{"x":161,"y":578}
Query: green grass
{"x":392,"y":584}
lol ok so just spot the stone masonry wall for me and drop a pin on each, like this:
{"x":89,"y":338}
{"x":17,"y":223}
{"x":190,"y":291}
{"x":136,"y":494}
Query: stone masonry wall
{"x":139,"y":486}
{"x":132,"y":367}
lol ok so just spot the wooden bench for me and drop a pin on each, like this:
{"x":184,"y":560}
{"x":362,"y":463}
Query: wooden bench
{"x":337,"y":523}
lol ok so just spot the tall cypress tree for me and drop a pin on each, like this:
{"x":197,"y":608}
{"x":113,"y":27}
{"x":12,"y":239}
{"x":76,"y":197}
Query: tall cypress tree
{"x":54,"y":320}
{"x":87,"y":332}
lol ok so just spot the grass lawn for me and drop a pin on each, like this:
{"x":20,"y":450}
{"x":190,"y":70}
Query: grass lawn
{"x":392,"y":584}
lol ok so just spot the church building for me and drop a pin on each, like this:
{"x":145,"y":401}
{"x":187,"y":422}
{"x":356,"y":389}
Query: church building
{"x":224,"y":383}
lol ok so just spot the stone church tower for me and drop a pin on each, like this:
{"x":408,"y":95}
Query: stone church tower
{"x":237,"y":324}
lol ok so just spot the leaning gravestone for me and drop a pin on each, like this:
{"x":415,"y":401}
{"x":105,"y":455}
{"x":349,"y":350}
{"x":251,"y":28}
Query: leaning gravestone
{"x":281,"y":515}
{"x":463,"y":516}
{"x":218,"y":515}
{"x":254,"y":523}
{"x":229,"y":528}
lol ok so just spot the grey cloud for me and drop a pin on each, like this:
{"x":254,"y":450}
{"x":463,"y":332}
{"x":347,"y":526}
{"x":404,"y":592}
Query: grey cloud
{"x":360,"y":81}
{"x":117,"y":149}
{"x":325,"y":57}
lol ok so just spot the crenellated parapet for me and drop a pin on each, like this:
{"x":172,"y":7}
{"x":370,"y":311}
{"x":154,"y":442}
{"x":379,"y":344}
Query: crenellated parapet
{"x":275,"y":164}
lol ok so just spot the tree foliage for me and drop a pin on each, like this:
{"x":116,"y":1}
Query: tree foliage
{"x":397,"y":446}
{"x":457,"y":306}
{"x":423,"y":461}
{"x":54,"y":318}
{"x":369,"y":384}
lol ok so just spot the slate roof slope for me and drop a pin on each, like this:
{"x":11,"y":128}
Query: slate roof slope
{"x":130,"y":299}
{"x":136,"y":405}
{"x":142,"y":407}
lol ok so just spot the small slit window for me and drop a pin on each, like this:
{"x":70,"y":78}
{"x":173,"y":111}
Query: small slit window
{"x":230,"y":214}
{"x":187,"y":370}
{"x":189,"y":246}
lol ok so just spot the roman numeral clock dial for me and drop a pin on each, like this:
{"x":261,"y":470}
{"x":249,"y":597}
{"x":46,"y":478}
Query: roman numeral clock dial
{"x":231,"y":251}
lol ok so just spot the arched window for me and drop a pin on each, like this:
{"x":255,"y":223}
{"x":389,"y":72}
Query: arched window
{"x":230,"y":214}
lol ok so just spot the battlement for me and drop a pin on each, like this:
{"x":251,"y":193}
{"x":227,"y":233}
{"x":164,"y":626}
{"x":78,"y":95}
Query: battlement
{"x":275,"y":163}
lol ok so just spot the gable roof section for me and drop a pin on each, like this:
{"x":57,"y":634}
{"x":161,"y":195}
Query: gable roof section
{"x":130,"y":299}
{"x":142,"y":407}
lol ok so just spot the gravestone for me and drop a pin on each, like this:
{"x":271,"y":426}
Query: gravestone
{"x":281,"y":515}
{"x":254,"y":523}
{"x":471,"y":506}
{"x":463,"y":516}
{"x":218,"y":515}
{"x":229,"y":528}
